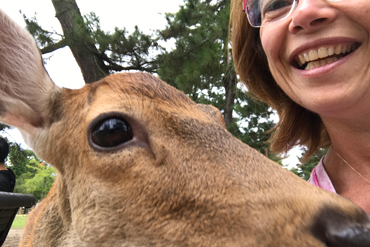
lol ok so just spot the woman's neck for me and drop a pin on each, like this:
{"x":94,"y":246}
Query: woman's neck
{"x":350,"y":140}
{"x":348,"y":159}
{"x":349,"y":180}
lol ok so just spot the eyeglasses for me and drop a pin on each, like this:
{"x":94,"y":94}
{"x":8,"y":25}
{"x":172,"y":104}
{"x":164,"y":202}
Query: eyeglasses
{"x":264,"y":12}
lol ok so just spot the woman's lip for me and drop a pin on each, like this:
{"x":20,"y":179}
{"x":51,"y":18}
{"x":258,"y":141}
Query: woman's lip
{"x":315,"y":45}
{"x":325,"y":69}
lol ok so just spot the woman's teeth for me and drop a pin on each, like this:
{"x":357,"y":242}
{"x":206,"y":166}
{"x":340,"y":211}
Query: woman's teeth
{"x":322,"y":56}
{"x":315,"y":64}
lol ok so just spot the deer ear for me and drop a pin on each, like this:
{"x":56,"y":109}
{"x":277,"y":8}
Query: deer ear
{"x":25,"y":86}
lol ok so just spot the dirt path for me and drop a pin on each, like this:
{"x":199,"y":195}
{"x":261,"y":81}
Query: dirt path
{"x":13,"y":238}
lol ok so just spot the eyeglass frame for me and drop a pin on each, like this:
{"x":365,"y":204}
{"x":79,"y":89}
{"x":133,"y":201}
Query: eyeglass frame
{"x":294,"y":5}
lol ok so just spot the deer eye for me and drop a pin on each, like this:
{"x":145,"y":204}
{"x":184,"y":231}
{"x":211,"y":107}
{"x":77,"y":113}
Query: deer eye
{"x":111,"y":132}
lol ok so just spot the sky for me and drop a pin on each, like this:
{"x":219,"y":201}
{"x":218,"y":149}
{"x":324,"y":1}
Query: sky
{"x":62,"y":67}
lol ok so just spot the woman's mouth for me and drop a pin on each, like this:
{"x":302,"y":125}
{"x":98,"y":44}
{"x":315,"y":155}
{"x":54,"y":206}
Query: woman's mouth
{"x":314,"y":58}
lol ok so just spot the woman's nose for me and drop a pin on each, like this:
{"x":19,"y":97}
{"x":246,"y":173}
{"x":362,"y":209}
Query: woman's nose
{"x":310,"y":15}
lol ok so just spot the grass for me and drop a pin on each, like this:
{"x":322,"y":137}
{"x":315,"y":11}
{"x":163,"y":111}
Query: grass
{"x":19,"y":221}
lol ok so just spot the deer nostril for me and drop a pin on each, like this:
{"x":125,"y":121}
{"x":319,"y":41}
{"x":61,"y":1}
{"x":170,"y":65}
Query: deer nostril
{"x":337,"y":229}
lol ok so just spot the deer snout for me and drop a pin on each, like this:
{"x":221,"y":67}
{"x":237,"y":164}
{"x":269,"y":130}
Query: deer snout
{"x":357,"y":236}
{"x":336,"y":229}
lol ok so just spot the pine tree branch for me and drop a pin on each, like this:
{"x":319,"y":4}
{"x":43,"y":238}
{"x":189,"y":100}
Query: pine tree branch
{"x":112,"y":65}
{"x":50,"y":48}
{"x":117,"y":67}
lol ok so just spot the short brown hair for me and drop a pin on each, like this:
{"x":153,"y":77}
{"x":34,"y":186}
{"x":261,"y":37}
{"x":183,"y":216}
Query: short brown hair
{"x":297,"y":125}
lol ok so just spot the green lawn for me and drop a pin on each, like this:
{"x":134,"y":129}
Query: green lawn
{"x":19,"y":221}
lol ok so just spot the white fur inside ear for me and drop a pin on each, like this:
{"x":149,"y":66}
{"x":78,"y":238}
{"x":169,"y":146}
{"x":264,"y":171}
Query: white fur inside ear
{"x":20,"y":115}
{"x":25,"y":86}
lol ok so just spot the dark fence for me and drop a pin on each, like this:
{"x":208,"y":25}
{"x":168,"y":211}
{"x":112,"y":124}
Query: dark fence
{"x":9,"y":205}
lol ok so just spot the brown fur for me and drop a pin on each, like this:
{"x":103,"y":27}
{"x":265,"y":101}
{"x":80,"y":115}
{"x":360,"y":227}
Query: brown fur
{"x":183,"y":180}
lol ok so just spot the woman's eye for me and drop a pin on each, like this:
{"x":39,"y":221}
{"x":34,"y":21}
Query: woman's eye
{"x":111,"y":133}
{"x":280,"y":5}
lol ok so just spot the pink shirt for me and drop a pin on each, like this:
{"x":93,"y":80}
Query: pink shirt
{"x":320,"y":178}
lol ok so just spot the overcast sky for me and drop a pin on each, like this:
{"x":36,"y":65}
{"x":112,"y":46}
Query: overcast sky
{"x":62,"y":67}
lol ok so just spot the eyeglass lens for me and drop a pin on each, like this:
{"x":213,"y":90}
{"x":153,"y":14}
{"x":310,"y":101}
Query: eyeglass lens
{"x":263,"y":12}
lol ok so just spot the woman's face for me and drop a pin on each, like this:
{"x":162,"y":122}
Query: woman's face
{"x":339,"y":33}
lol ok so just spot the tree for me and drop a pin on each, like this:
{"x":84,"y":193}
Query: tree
{"x":199,"y":65}
{"x":37,"y":180}
{"x":19,"y":158}
{"x":32,"y":176}
{"x":3,"y":127}
{"x":97,"y":53}
{"x":304,"y":169}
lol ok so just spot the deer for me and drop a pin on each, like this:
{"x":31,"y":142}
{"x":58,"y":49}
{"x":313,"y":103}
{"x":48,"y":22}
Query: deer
{"x":140,"y":164}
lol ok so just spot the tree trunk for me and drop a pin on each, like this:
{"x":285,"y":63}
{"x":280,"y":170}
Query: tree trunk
{"x":79,"y":41}
{"x":230,"y":86}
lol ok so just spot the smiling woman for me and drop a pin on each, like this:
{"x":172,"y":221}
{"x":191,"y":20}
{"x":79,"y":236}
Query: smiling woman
{"x":308,"y":60}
